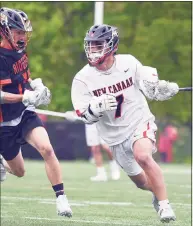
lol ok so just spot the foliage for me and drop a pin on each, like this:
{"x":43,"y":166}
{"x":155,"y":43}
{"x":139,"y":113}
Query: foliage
{"x":156,"y":33}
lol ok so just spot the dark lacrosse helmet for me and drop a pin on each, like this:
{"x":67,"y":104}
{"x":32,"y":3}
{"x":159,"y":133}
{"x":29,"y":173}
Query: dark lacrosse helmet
{"x":14,"y":19}
{"x":100,"y":42}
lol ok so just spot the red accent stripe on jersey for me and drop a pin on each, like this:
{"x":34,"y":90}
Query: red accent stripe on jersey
{"x":20,"y":88}
{"x":5,"y":81}
{"x":78,"y":113}
{"x":145,"y":132}
{"x":25,"y":76}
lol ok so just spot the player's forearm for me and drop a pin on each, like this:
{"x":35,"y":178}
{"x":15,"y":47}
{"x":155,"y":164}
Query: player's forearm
{"x":10,"y":98}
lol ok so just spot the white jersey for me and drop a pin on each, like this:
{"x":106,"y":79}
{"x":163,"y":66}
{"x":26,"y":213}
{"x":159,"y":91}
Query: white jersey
{"x":114,"y":126}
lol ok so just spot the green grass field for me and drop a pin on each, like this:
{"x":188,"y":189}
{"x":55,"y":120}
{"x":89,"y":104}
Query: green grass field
{"x":31,"y":201}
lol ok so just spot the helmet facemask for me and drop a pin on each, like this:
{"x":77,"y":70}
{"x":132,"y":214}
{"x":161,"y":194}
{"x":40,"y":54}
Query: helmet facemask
{"x":96,"y":51}
{"x":20,"y":44}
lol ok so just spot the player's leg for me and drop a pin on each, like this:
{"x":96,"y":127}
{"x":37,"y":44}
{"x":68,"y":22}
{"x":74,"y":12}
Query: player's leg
{"x":115,"y":171}
{"x":15,"y":164}
{"x":141,"y":181}
{"x":105,"y":147}
{"x":98,"y":159}
{"x":33,"y":132}
{"x":93,"y":142}
{"x":2,"y":170}
{"x":12,"y":159}
{"x":39,"y":139}
{"x":142,"y":150}
{"x":125,"y":158}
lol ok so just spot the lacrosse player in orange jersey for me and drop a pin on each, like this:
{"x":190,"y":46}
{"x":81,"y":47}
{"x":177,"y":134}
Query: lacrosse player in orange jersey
{"x":18,"y":121}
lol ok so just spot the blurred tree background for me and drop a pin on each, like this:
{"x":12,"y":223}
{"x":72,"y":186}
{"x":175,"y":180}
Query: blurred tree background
{"x":156,"y":33}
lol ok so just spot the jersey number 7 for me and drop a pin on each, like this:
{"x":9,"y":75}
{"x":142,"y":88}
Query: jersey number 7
{"x":120,"y":100}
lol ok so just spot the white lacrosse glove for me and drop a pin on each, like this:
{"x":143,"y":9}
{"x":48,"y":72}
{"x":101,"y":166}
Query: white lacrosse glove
{"x":105,"y":102}
{"x":43,"y":91}
{"x":36,"y":84}
{"x":166,"y":90}
{"x":97,"y":106}
{"x":160,"y":91}
{"x":34,"y":98}
{"x":29,"y":97}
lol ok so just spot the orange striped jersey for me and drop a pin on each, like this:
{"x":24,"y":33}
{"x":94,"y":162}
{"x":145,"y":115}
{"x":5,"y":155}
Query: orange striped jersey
{"x":14,"y":74}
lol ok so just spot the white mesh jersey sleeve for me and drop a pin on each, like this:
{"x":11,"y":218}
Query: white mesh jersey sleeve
{"x":80,"y":95}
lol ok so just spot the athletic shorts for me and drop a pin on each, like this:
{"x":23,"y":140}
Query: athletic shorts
{"x":123,"y":153}
{"x":92,"y":136}
{"x":12,"y":137}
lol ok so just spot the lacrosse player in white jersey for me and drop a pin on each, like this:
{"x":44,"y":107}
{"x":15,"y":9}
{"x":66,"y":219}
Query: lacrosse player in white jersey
{"x":111,"y":91}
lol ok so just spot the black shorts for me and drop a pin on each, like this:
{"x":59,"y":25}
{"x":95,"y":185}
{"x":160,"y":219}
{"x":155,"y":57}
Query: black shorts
{"x":12,"y":137}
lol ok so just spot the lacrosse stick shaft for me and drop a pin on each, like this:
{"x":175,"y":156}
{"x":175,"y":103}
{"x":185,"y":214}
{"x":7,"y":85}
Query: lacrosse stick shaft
{"x":51,"y":113}
{"x":185,"y":89}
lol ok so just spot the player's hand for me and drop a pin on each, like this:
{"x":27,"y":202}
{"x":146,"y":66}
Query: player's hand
{"x":35,"y":98}
{"x":166,"y":90}
{"x":29,"y":97}
{"x":45,"y":97}
{"x":173,"y":88}
{"x":45,"y":93}
{"x":105,"y":102}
